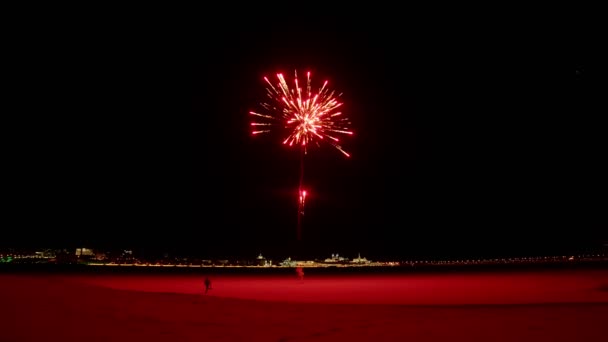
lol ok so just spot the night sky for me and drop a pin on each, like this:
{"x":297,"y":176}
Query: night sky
{"x":145,"y":143}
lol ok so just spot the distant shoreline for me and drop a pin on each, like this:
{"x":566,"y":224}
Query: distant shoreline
{"x":403,"y":268}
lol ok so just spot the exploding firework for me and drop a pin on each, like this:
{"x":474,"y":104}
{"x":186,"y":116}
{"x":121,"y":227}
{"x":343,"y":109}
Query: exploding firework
{"x":306,"y":117}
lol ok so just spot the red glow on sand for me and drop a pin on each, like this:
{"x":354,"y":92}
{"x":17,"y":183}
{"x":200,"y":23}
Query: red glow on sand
{"x":510,"y":306}
{"x":416,"y":289}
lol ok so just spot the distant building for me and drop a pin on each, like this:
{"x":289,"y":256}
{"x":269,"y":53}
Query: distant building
{"x":360,"y":260}
{"x":336,"y":258}
{"x":288,"y":263}
{"x":47,"y":253}
{"x":84,"y":252}
{"x":262,"y":261}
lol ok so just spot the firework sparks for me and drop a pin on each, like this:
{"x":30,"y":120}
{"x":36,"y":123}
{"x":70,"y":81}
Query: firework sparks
{"x":308,"y":116}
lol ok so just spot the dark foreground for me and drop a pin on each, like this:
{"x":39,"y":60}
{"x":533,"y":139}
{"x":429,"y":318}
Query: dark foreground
{"x":528,"y":306}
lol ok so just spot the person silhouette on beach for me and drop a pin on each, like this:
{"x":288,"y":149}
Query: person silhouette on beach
{"x":207,"y":285}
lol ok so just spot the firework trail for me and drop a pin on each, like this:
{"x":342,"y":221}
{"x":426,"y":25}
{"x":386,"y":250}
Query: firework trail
{"x":306,"y":117}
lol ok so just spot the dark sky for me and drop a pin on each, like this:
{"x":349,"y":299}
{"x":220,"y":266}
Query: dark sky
{"x":144,"y":143}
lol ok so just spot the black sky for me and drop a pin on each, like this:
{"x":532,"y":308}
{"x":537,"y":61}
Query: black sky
{"x":144,"y":143}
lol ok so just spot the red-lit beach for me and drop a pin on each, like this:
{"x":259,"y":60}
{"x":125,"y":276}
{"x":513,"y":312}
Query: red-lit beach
{"x":554,"y":305}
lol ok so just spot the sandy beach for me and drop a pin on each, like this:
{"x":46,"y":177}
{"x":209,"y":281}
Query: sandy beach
{"x":526,"y":306}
